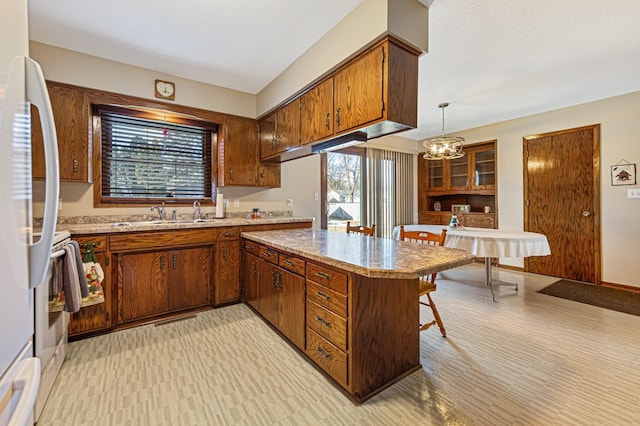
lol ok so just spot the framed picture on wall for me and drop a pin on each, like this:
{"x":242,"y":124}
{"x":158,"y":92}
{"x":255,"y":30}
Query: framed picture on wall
{"x":623,"y":174}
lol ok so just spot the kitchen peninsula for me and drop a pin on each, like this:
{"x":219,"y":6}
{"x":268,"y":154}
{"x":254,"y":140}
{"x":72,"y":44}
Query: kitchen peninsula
{"x":348,"y":301}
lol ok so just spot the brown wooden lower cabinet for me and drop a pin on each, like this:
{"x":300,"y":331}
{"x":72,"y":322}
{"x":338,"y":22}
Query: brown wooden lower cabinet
{"x":227,"y":286}
{"x":362,"y":332}
{"x":281,"y":298}
{"x":99,"y":317}
{"x":158,"y":282}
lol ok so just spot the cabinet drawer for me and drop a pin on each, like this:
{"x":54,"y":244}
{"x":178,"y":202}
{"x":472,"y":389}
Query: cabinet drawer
{"x":479,"y":220}
{"x":429,"y":218}
{"x":328,"y":357}
{"x":99,"y":242}
{"x":269,"y":254}
{"x":293,"y":264}
{"x":327,"y":298}
{"x":226,"y":234}
{"x":251,"y":247}
{"x":327,"y":324}
{"x":334,"y":280}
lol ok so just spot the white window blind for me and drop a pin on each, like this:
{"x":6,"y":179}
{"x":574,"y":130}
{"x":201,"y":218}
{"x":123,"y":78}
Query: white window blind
{"x":144,"y":158}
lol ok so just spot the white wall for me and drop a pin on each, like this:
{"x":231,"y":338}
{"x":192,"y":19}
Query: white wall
{"x":620,"y":139}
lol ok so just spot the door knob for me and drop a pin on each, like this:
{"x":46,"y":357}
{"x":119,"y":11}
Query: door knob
{"x":586,"y":213}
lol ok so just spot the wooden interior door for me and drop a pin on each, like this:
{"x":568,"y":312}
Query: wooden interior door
{"x":562,"y":201}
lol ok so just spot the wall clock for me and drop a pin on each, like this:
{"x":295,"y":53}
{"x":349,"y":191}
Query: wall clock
{"x":165,"y":90}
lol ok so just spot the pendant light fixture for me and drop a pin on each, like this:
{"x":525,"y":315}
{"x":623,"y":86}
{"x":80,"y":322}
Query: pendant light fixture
{"x":443,"y":147}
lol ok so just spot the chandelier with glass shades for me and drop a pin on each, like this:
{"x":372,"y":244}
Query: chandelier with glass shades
{"x":443,"y":147}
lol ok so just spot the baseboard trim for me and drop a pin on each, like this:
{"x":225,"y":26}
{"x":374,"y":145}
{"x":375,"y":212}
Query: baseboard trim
{"x":513,"y":268}
{"x":621,"y":287}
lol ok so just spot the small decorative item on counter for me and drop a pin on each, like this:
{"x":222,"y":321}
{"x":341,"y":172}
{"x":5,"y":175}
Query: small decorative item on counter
{"x":454,"y":221}
{"x":255,"y":214}
{"x":461,"y":208}
{"x":437,"y":206}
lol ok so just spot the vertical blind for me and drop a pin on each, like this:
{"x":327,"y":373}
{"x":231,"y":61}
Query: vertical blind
{"x":389,"y":189}
{"x":144,"y":158}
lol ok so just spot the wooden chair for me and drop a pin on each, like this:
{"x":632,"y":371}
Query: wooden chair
{"x":361,"y":229}
{"x":427,"y":283}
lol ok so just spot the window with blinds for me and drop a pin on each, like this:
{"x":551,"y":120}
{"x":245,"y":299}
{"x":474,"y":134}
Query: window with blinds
{"x":145,"y":158}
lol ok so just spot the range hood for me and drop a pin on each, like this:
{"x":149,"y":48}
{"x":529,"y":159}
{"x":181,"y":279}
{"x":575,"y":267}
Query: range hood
{"x":339,"y":142}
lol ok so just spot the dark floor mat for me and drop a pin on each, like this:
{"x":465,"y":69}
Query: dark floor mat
{"x":597,"y":295}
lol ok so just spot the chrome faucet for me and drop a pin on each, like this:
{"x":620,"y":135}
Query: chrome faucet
{"x":197,"y":214}
{"x":161,"y":211}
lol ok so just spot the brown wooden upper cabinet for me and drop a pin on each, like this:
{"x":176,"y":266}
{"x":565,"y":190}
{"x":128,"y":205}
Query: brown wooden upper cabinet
{"x":71,"y":116}
{"x":238,"y":156}
{"x":316,"y":113}
{"x":375,"y":92}
{"x":475,"y":172}
{"x":358,"y":95}
{"x":280,"y":131}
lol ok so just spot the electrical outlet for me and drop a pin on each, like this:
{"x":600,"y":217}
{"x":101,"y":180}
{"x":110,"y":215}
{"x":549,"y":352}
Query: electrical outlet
{"x":633,"y":193}
{"x":289,"y":202}
{"x":60,"y":204}
{"x":236,"y":202}
{"x":316,"y":196}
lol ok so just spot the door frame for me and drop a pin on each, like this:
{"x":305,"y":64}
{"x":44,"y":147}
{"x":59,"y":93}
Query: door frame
{"x":595,"y":128}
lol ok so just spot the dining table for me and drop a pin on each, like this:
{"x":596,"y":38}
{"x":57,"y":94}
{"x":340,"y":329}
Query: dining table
{"x":488,"y":243}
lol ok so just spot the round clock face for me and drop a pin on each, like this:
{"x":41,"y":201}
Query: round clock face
{"x":165,"y":89}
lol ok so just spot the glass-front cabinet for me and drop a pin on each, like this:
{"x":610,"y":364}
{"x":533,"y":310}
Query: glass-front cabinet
{"x":469,"y":180}
{"x":484,"y":168}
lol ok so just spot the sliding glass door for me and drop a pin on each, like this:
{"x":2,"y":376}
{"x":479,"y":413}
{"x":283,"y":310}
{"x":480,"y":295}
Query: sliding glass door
{"x":342,"y":188}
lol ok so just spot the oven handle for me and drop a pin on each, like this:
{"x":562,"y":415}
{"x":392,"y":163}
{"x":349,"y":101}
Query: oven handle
{"x":58,"y":253}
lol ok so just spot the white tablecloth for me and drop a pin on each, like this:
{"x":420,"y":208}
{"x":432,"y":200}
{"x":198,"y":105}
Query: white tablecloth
{"x":483,"y":242}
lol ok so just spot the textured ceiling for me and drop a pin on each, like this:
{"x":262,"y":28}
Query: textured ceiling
{"x":492,"y":60}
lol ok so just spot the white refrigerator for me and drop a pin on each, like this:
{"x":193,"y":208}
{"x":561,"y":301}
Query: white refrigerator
{"x":23,"y":262}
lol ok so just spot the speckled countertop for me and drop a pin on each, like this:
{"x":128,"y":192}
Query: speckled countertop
{"x":367,"y":256}
{"x":117,"y":227}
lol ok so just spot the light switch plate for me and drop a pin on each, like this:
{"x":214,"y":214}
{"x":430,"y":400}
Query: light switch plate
{"x":289,"y":202}
{"x":633,"y":193}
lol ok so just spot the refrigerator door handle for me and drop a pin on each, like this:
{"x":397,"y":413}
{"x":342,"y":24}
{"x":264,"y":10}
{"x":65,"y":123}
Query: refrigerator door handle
{"x":38,"y":95}
{"x":27,"y":382}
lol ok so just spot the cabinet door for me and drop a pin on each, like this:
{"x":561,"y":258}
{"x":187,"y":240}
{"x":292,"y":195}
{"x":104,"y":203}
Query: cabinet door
{"x":268,"y":141}
{"x":288,"y":126}
{"x":434,"y":174}
{"x":316,"y":113}
{"x":71,"y":116}
{"x":251,"y":280}
{"x":483,"y":167}
{"x":268,"y":292}
{"x":269,"y":175}
{"x":143,"y":285}
{"x":291,"y":312}
{"x":227,"y":286}
{"x":459,"y":173}
{"x":95,"y":317}
{"x":241,"y":152}
{"x":189,"y":275}
{"x":358,"y":91}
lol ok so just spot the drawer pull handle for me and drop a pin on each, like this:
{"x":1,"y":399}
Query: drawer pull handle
{"x":230,"y":234}
{"x":325,"y":296}
{"x":323,"y":275}
{"x":323,"y":322}
{"x":266,"y":253}
{"x":248,"y":246}
{"x":324,"y":354}
{"x":290,"y":263}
